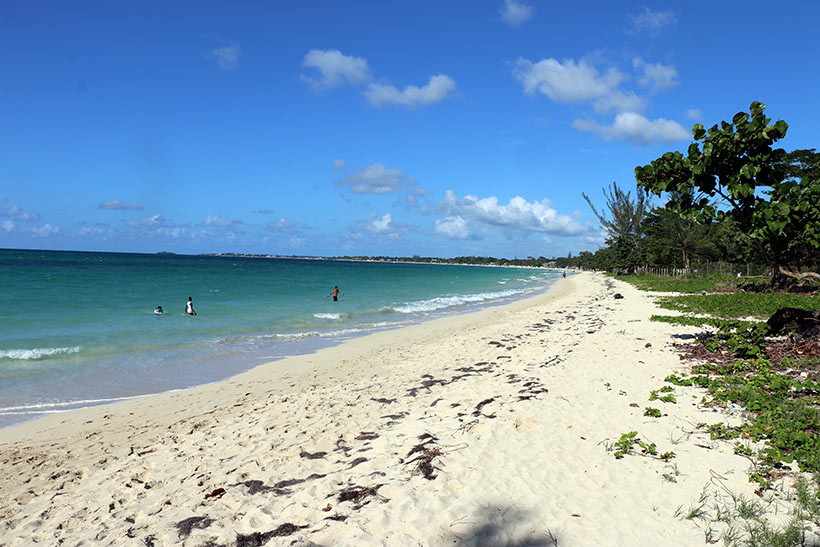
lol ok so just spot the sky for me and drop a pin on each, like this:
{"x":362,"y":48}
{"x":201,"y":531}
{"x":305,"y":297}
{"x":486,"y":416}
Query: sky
{"x":326,"y":128}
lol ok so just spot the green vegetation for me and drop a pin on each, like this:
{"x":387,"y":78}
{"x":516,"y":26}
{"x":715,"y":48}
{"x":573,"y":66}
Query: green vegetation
{"x":740,"y":304}
{"x":736,"y":521}
{"x":774,"y":386}
{"x":627,"y":443}
{"x":682,"y":284}
{"x":652,"y":412}
{"x":733,"y":173}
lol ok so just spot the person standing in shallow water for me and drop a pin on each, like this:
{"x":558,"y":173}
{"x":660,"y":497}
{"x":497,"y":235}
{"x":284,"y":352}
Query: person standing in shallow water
{"x":189,"y":307}
{"x":335,"y":293}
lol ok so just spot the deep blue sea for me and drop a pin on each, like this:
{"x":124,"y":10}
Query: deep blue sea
{"x":78,"y":328}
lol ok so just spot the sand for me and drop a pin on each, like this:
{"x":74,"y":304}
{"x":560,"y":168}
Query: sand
{"x":489,"y":428}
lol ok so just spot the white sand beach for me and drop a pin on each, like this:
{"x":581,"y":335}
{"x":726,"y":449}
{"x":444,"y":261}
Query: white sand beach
{"x":489,"y":428}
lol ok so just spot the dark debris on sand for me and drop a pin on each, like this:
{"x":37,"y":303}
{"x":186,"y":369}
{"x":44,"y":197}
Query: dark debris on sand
{"x":360,"y":495}
{"x":257,"y":539}
{"x":184,"y":527}
{"x":426,"y":452}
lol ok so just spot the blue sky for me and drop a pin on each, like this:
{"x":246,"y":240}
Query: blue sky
{"x":368,"y":128}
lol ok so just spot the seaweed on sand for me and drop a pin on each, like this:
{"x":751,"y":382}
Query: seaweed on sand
{"x":359,"y":495}
{"x":256,"y":539}
{"x":426,"y":455}
{"x":185,"y":526}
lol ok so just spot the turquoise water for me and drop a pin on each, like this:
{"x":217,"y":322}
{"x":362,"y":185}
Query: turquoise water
{"x":78,"y":328}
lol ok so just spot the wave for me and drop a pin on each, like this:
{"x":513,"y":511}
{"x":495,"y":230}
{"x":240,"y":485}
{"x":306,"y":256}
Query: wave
{"x":443,"y":302}
{"x":36,"y":353}
{"x":332,"y":316}
{"x":61,"y":406}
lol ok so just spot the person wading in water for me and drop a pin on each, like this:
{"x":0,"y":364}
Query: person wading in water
{"x":335,"y":293}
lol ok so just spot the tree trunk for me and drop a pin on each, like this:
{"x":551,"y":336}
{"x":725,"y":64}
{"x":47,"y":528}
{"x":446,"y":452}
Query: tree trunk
{"x":788,"y":278}
{"x":685,"y":258}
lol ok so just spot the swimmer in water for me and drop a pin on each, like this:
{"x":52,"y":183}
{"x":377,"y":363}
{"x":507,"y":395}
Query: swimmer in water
{"x":335,"y":293}
{"x":158,"y":310}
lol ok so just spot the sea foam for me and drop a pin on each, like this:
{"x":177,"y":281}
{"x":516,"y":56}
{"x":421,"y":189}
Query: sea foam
{"x":36,"y":353}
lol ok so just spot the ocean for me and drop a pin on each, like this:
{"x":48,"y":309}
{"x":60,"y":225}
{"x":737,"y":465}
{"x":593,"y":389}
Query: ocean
{"x":78,"y":328}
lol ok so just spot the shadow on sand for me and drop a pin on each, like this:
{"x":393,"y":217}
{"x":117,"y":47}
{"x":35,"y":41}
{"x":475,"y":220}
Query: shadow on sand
{"x":501,"y":526}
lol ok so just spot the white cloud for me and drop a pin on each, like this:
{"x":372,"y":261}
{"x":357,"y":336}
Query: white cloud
{"x":652,"y":22}
{"x":515,"y":13}
{"x":567,"y":82}
{"x":225,"y":57}
{"x":338,"y":165}
{"x":694,"y":114}
{"x":150,"y":222}
{"x":382,"y":225}
{"x":619,"y":101}
{"x":281,"y":225}
{"x":630,"y":126}
{"x":518,"y":214}
{"x":218,"y":221}
{"x":376,"y":179}
{"x":172,"y":231}
{"x":437,"y":89}
{"x":14,"y":210}
{"x":45,"y":230}
{"x":116,"y":204}
{"x":453,"y":227}
{"x":335,"y":68}
{"x":8,"y":225}
{"x":29,"y":217}
{"x":656,"y":76}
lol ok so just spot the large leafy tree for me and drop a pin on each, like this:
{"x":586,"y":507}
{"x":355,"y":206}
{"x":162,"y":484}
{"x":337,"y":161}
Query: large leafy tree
{"x":623,"y":228}
{"x":732,"y":170}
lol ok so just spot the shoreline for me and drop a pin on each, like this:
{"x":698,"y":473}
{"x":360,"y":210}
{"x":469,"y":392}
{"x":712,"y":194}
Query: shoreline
{"x":471,"y":429}
{"x":261,"y":356}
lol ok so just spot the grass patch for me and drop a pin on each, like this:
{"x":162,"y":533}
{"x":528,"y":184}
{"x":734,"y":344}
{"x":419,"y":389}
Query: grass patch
{"x":741,"y":304}
{"x":683,"y":284}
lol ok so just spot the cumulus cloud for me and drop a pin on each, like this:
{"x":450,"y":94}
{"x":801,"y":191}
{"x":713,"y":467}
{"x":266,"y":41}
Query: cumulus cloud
{"x":150,"y":222}
{"x":619,"y":101}
{"x":694,"y":114}
{"x":656,"y":76}
{"x":225,"y":57}
{"x":652,"y":22}
{"x":281,"y":225}
{"x":45,"y":230}
{"x":376,"y":179}
{"x":567,"y":82}
{"x":116,"y":204}
{"x":28,"y":217}
{"x":218,"y":221}
{"x":8,"y":225}
{"x":515,"y":13}
{"x":580,"y":81}
{"x":630,"y":126}
{"x":381,"y":225}
{"x":453,"y":227}
{"x":12,"y":211}
{"x":518,"y":214}
{"x":437,"y":89}
{"x":335,"y":68}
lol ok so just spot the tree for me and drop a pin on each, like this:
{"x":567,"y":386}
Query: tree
{"x":734,"y":172}
{"x":673,"y":240}
{"x":624,"y":228}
